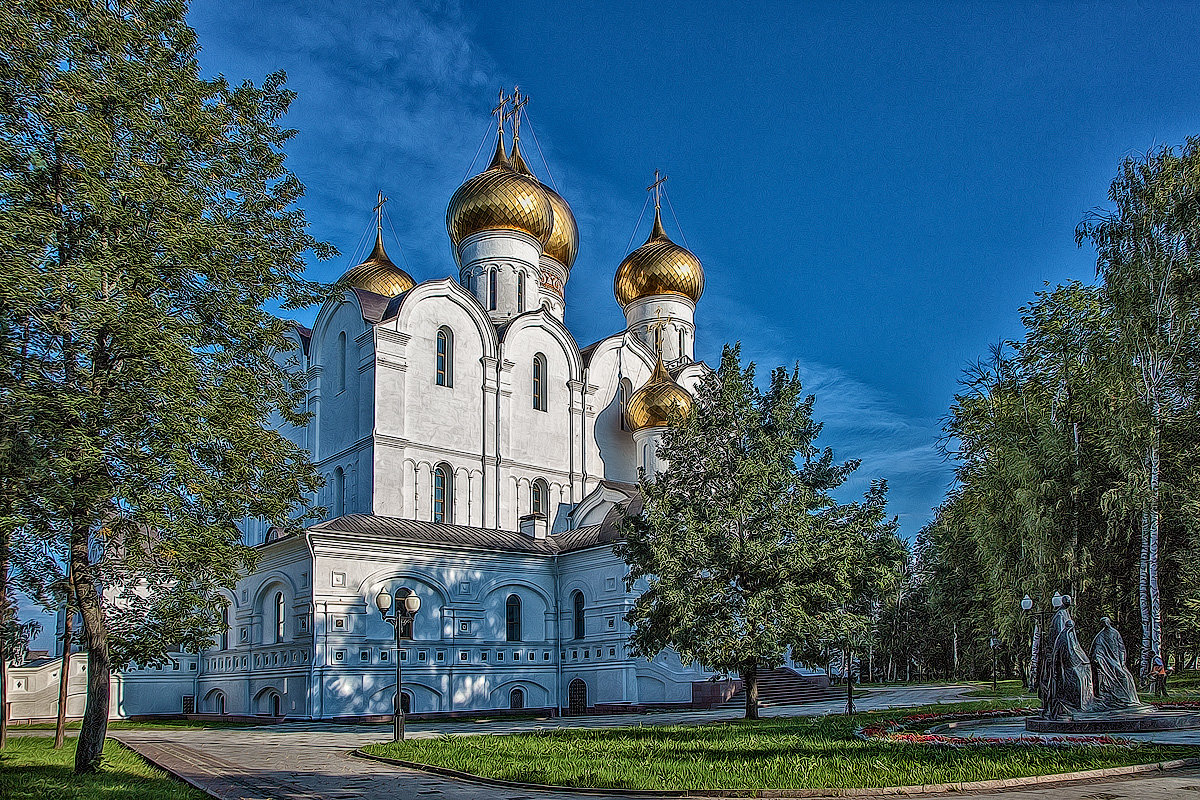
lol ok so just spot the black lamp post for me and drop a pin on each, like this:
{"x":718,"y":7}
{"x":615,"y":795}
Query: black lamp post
{"x":1039,"y":628}
{"x":409,"y":605}
{"x":995,"y":643}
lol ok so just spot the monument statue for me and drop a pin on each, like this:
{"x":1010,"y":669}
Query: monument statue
{"x":1115,"y":687}
{"x":1069,"y":684}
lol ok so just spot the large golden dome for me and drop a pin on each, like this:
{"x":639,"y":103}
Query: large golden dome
{"x":500,"y":198}
{"x":659,"y":402}
{"x":658,"y":267}
{"x":378,"y":274}
{"x":563,"y":245}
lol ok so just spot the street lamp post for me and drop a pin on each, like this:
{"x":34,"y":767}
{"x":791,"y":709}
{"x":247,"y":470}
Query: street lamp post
{"x":1039,"y":626}
{"x":406,"y":610}
{"x":995,"y":643}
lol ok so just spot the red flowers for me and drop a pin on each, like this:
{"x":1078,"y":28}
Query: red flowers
{"x":896,"y":730}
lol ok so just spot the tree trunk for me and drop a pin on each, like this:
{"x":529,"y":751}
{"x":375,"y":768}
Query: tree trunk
{"x":849,"y":682}
{"x":64,"y":675}
{"x":1144,"y":597}
{"x":750,"y":682}
{"x":94,"y":727}
{"x":1156,"y":642}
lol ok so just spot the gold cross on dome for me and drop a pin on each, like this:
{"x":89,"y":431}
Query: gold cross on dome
{"x":378,"y":209}
{"x":498,"y":111}
{"x":518,"y":100}
{"x":656,"y":187}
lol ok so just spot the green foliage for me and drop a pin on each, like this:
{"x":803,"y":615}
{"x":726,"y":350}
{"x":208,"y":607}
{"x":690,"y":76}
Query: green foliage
{"x":147,"y":219}
{"x":743,"y":552}
{"x":31,"y":769}
{"x":783,"y":753}
{"x":1078,"y":465}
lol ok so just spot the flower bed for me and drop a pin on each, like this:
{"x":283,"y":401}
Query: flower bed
{"x":912,"y":729}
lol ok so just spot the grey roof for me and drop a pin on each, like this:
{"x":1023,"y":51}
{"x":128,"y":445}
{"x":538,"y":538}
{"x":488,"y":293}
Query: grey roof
{"x":374,"y":306}
{"x":420,"y":531}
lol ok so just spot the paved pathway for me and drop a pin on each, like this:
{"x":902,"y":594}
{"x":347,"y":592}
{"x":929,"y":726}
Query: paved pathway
{"x":311,"y":761}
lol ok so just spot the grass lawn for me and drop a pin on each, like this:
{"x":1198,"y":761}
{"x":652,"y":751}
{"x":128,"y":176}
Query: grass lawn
{"x":31,"y":769}
{"x":797,"y":753}
{"x":1004,"y":689}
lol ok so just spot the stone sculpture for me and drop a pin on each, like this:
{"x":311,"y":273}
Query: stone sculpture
{"x":1069,"y":685}
{"x":1115,"y":687}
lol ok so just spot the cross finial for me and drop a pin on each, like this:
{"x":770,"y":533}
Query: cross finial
{"x":656,"y":187}
{"x":518,"y":102}
{"x":379,"y":212}
{"x":498,"y":111}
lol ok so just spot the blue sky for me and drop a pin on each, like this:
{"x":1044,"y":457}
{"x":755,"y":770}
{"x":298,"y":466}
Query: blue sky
{"x":874,"y":189}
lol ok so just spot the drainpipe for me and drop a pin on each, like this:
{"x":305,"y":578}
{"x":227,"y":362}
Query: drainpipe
{"x":557,"y":644}
{"x":313,"y":676}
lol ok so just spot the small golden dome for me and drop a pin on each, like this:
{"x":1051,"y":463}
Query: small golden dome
{"x":658,"y":267}
{"x":378,"y":274}
{"x":500,"y":198}
{"x":659,"y":402}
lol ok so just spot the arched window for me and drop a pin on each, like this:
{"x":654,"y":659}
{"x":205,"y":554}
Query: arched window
{"x":445,"y":357}
{"x":279,"y":617}
{"x":539,"y":496}
{"x":340,"y":366}
{"x":623,"y":394}
{"x":225,"y":627}
{"x":681,"y":338}
{"x":539,"y":382}
{"x":577,"y":609}
{"x":443,"y":494}
{"x":512,"y":619}
{"x":516,"y":698}
{"x":492,"y":289}
{"x":339,"y":492}
{"x":520,"y":292}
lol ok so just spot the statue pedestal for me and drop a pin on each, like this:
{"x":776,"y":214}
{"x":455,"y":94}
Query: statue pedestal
{"x":1117,"y":722}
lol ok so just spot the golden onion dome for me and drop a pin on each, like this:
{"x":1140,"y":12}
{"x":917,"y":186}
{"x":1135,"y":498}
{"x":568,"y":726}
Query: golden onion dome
{"x":500,"y":198}
{"x":658,"y":267}
{"x":563,"y":245}
{"x":378,"y":274}
{"x":659,"y":402}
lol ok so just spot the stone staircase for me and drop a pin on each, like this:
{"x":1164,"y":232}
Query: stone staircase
{"x":786,"y":687}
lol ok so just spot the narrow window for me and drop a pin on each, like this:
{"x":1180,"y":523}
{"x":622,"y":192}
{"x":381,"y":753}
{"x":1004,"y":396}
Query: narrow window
{"x":279,"y":616}
{"x":539,"y":382}
{"x":445,"y":357}
{"x":492,"y":290}
{"x":520,"y":292}
{"x":681,"y":336}
{"x":443,"y":494}
{"x":577,"y":607}
{"x":658,"y":340}
{"x":341,"y":361}
{"x":225,"y":627}
{"x":339,"y":492}
{"x":623,"y":393}
{"x":512,"y":619}
{"x":538,"y":495}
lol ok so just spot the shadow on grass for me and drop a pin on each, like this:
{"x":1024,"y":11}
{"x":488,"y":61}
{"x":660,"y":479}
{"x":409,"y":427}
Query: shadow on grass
{"x":31,"y":769}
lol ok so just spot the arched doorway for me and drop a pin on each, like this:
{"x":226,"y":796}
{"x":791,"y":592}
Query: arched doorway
{"x":577,"y":699}
{"x":218,"y":703}
{"x":405,"y":702}
{"x":516,"y":698}
{"x":276,"y":705}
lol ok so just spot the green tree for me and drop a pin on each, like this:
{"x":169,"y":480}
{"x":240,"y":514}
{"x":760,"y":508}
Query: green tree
{"x":736,"y":544}
{"x":146,"y":217}
{"x":1148,"y":252}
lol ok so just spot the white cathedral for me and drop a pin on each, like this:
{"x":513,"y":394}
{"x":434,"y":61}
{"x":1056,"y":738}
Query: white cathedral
{"x":475,"y":455}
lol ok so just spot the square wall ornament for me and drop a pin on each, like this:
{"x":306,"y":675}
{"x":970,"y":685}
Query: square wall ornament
{"x":338,"y":579}
{"x":464,"y":587}
{"x":610,"y":584}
